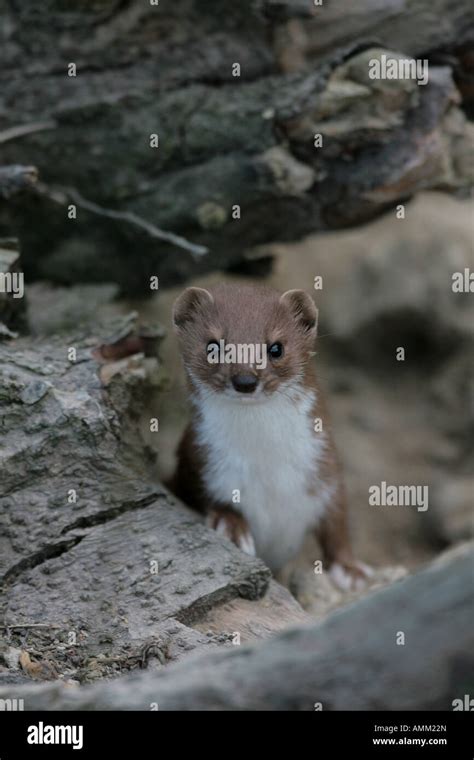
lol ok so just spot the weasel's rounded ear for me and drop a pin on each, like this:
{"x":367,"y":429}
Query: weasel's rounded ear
{"x":188,"y":304}
{"x":303,"y":309}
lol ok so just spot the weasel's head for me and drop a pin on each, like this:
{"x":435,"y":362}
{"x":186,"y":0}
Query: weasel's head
{"x":245,"y":342}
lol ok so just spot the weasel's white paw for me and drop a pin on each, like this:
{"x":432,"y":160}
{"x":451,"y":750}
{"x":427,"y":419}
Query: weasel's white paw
{"x":234,"y":527}
{"x":351,"y":576}
{"x":247,"y":544}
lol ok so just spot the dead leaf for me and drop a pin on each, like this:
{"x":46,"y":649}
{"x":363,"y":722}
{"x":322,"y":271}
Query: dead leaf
{"x":39,"y":671}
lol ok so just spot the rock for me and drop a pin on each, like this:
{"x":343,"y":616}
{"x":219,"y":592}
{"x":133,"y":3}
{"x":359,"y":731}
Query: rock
{"x":452,"y":509}
{"x":276,"y":611}
{"x":9,"y":656}
{"x":61,"y":310}
{"x":394,"y":277}
{"x":452,"y":395}
{"x":318,"y":595}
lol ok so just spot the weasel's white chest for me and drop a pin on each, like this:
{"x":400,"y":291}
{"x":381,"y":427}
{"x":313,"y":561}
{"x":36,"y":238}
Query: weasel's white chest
{"x":262,"y":459}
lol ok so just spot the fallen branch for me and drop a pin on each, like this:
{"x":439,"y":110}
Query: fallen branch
{"x":28,"y":625}
{"x":64,"y":195}
{"x":13,"y":133}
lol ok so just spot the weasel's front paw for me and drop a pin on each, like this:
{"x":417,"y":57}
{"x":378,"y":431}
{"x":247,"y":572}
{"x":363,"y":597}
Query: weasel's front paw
{"x":350,"y":575}
{"x":234,"y":527}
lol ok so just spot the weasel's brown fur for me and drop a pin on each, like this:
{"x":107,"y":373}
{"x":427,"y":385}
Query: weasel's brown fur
{"x":286,"y":400}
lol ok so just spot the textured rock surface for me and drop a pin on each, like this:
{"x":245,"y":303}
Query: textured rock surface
{"x":453,"y":510}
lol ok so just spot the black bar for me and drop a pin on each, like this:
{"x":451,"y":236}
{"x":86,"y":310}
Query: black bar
{"x":136,"y":734}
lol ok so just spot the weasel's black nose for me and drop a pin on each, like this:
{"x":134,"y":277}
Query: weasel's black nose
{"x":244,"y":383}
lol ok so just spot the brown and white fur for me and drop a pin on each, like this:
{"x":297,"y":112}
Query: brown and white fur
{"x":261,"y":444}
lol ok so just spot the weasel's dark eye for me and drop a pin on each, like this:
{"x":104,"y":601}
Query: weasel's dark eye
{"x":213,"y":344}
{"x":275,"y":351}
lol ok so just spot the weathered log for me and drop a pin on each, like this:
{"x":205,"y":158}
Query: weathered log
{"x":406,"y":647}
{"x":101,"y":569}
{"x":224,"y":140}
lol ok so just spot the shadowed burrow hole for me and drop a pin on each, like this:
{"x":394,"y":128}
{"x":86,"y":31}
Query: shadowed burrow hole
{"x":425,"y":340}
{"x":257,"y":267}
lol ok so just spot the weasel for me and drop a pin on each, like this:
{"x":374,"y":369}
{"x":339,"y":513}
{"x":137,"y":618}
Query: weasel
{"x":258,"y":457}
